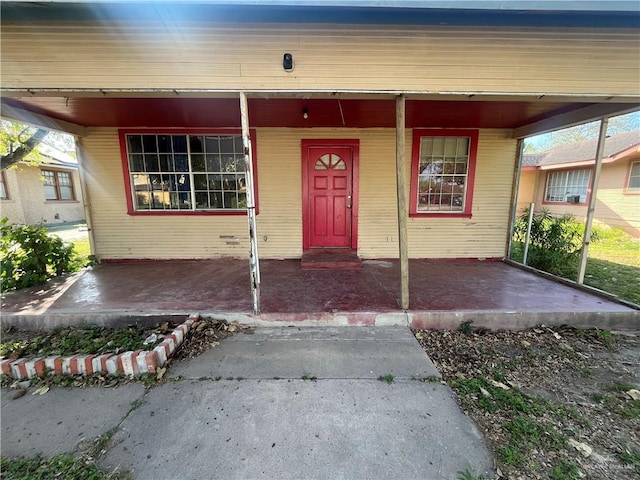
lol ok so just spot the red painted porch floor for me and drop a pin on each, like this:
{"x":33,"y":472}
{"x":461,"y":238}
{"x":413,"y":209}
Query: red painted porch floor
{"x":441,"y":292}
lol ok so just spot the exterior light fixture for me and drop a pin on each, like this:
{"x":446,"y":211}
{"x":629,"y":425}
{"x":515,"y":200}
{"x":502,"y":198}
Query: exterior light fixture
{"x":287,"y":62}
{"x":305,"y":113}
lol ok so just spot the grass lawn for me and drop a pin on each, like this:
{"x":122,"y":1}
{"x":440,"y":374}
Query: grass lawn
{"x":613,"y":264}
{"x":68,"y":467}
{"x":82,"y":249}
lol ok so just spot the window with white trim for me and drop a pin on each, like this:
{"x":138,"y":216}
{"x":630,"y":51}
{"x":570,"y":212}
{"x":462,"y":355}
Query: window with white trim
{"x":3,"y":187}
{"x":57,"y":185}
{"x":443,"y":167}
{"x":186,"y":172}
{"x":567,"y":185}
{"x":633,"y":185}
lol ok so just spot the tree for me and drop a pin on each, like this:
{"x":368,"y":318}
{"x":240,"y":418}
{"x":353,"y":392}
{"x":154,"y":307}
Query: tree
{"x":18,"y":141}
{"x":586,"y":131}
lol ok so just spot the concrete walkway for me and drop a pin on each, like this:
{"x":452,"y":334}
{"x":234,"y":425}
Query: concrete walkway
{"x":286,"y":403}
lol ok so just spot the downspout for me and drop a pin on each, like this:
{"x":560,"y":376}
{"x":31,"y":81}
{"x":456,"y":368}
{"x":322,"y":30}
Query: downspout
{"x":593,"y":197}
{"x":514,"y":195}
{"x":85,"y":193}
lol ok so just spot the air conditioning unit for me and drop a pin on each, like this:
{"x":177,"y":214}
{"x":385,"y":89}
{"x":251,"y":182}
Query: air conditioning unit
{"x":573,"y":198}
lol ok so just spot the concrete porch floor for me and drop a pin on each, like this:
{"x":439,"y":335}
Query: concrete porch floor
{"x":442,"y":295}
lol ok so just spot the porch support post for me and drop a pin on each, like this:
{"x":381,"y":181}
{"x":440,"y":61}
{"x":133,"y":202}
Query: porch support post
{"x":402,"y":202}
{"x":514,"y":195}
{"x":254,"y":261}
{"x":593,"y":197}
{"x":86,"y":198}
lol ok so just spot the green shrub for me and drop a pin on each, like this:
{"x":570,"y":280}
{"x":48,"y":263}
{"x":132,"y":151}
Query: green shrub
{"x":554,"y":244}
{"x":29,"y":256}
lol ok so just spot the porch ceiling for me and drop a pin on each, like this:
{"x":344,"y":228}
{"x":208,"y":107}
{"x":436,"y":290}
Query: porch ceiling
{"x":288,"y":112}
{"x":278,"y":111}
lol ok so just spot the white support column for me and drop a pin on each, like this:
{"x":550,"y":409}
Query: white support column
{"x":86,"y":196}
{"x":402,"y":202}
{"x":593,"y":198}
{"x":254,"y":261}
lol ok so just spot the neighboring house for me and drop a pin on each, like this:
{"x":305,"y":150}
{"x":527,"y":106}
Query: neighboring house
{"x":152,"y":92}
{"x":559,"y":180}
{"x":47,"y":191}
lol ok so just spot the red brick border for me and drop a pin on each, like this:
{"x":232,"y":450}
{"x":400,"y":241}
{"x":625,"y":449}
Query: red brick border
{"x":127,"y":363}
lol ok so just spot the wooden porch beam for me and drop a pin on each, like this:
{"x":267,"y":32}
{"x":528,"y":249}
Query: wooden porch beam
{"x":402,"y":201}
{"x":575,"y":117}
{"x":593,"y":198}
{"x":37,"y":120}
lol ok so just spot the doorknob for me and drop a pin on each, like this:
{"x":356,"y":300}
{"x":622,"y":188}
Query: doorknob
{"x":348,"y":206}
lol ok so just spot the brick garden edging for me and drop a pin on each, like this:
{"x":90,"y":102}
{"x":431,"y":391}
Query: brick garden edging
{"x":127,"y":363}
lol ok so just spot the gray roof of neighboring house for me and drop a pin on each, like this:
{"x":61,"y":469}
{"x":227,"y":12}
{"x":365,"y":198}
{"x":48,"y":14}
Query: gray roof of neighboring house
{"x":584,"y":150}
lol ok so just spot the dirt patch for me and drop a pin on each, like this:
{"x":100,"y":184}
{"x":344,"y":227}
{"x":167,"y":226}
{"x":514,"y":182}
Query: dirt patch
{"x":81,"y":340}
{"x":207,"y":334}
{"x":557,"y":403}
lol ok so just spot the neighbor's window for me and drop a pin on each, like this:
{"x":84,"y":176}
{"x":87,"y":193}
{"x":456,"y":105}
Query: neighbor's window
{"x":57,"y":185}
{"x":186,"y":172}
{"x":634,"y":178}
{"x":567,"y":186}
{"x":3,"y":187}
{"x":443,"y":167}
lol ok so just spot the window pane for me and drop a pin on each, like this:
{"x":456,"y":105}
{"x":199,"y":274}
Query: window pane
{"x":442,"y":170}
{"x":151,"y":163}
{"x":202,"y":200}
{"x":66,"y":193}
{"x":164,"y":144}
{"x":181,"y":163}
{"x":226,"y":145}
{"x":170,"y":163}
{"x":49,"y":178}
{"x":136,"y":163}
{"x":64,"y":178}
{"x":134,"y":144}
{"x":213,"y":163}
{"x":634,"y":177}
{"x":166,"y":165}
{"x":212,"y":144}
{"x":179,"y":144}
{"x":149,"y":144}
{"x":3,"y":191}
{"x":200,"y":182}
{"x":50,"y":192}
{"x":197,"y":162}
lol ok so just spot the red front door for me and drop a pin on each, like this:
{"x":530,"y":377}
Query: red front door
{"x":328,"y":195}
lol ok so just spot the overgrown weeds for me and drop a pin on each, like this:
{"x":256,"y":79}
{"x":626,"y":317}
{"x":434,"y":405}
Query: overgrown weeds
{"x":554,"y":242}
{"x":67,"y":467}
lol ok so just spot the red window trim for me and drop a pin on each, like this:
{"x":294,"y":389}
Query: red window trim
{"x":471,"y":170}
{"x":182,"y":131}
{"x":546,"y":183}
{"x":626,"y":190}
